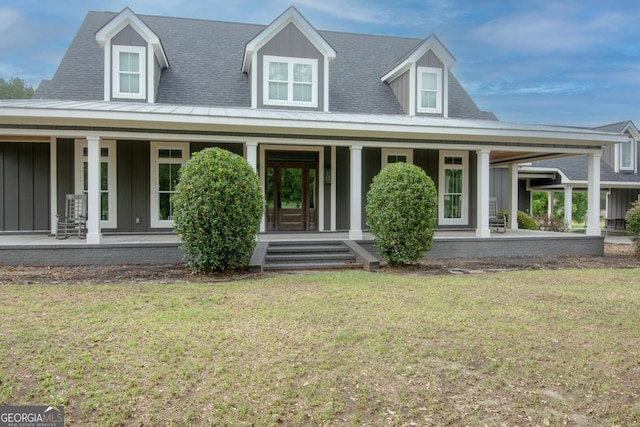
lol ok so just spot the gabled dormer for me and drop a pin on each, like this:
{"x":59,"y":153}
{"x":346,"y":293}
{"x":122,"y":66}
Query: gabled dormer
{"x":288,"y":65}
{"x":133,"y":59}
{"x":627,"y":152}
{"x":622,"y":157}
{"x":420,"y":80}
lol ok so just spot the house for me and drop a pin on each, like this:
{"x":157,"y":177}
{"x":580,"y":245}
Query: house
{"x":619,"y":177}
{"x":316,"y":113}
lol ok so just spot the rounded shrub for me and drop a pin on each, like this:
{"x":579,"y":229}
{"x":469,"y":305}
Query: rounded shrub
{"x":526,"y":222}
{"x":217,"y":209}
{"x":402,"y":208}
{"x":632,"y":218}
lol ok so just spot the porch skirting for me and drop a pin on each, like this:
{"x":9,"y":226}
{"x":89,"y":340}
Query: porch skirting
{"x":47,"y":251}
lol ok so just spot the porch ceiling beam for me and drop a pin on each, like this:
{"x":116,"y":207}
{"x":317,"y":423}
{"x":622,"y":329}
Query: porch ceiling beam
{"x":149,"y":135}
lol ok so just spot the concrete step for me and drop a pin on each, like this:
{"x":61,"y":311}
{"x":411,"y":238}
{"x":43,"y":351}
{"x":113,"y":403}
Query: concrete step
{"x":345,"y":256}
{"x":312,"y":266}
{"x":296,"y":249}
{"x":309,"y":255}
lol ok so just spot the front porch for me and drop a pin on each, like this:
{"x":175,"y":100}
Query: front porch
{"x":46,"y":250}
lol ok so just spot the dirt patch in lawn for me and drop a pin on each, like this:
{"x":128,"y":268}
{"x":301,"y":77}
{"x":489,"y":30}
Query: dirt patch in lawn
{"x":615,"y":256}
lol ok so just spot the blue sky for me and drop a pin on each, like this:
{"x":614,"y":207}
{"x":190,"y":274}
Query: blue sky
{"x":542,"y":61}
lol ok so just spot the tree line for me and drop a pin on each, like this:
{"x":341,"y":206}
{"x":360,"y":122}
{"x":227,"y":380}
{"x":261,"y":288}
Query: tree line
{"x":15,"y":88}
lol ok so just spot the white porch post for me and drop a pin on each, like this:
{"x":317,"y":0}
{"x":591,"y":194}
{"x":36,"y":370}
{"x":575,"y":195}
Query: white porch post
{"x":482,"y":227}
{"x":550,"y":204}
{"x":252,"y":154}
{"x":94,"y":234}
{"x":355,"y":225}
{"x":513,"y":197}
{"x":568,"y":206}
{"x":53,"y":176}
{"x":333,"y":188}
{"x":593,"y":224}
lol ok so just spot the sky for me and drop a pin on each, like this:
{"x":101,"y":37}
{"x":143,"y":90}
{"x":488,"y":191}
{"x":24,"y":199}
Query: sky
{"x":571,"y":63}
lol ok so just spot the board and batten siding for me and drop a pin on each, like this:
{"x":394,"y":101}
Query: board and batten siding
{"x":401,"y":87}
{"x":290,"y":43}
{"x":620,"y":201}
{"x":133,"y":159}
{"x":24,"y":192}
{"x":343,"y":185}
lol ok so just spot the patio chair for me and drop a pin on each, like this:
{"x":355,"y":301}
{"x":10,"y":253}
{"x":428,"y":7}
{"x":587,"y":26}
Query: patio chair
{"x":497,"y":222}
{"x":75,"y":217}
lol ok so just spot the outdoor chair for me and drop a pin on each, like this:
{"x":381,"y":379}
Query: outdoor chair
{"x":75,"y":217}
{"x":497,"y":222}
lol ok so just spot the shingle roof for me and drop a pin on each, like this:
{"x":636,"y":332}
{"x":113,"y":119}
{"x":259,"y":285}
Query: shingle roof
{"x":576,"y":169}
{"x":206,"y":59}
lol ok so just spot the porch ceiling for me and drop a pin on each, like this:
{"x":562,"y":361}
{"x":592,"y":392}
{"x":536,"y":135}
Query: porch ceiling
{"x":498,"y":158}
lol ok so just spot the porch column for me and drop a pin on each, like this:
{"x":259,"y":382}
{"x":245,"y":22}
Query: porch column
{"x":568,"y":206}
{"x":482,"y":227}
{"x":252,"y":154}
{"x":94,"y":234}
{"x":355,"y":224}
{"x":53,"y":187}
{"x":550,"y":204}
{"x":593,"y":212}
{"x":513,"y":197}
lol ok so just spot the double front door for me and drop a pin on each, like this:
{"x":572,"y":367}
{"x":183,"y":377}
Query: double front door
{"x":292,"y":191}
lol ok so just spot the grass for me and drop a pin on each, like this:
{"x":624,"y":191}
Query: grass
{"x":349,"y":348}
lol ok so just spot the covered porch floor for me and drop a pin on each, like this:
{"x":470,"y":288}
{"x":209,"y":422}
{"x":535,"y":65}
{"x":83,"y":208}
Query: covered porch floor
{"x":44,"y":249}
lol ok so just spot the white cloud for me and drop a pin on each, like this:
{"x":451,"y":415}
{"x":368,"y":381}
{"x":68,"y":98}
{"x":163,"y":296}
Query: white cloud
{"x":554,"y":27}
{"x":9,"y":19}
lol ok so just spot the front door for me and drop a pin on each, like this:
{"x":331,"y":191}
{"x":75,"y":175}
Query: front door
{"x":292,"y":192}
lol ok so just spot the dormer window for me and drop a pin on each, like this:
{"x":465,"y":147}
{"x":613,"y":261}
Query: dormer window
{"x":429,"y":90}
{"x":290,"y":81}
{"x":627,"y":155}
{"x":129,"y":72}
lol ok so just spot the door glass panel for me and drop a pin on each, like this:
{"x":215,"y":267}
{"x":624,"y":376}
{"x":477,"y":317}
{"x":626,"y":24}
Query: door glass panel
{"x":312,"y":188}
{"x":270,"y":183}
{"x":291,"y":188}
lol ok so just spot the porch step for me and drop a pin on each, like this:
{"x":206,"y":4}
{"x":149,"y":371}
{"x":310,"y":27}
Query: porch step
{"x":309,"y":255}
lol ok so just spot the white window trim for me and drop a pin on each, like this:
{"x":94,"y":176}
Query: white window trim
{"x":290,"y":62}
{"x":632,"y":167}
{"x":386,"y":152}
{"x":438,"y":73}
{"x":80,"y":158}
{"x":154,"y":181}
{"x":115,"y":71}
{"x":464,"y":219}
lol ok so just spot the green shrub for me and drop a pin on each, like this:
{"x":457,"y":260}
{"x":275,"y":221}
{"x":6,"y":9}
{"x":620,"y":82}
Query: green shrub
{"x":217,"y":208}
{"x":632,"y":218}
{"x":401,"y":208}
{"x":525,"y":222}
{"x":550,"y":224}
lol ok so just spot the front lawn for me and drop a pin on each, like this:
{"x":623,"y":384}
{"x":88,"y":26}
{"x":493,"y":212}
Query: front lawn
{"x":349,"y":348}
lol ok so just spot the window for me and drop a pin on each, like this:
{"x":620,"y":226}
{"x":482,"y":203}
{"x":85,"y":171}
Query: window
{"x":166,"y":160}
{"x":108,"y":195}
{"x":453,"y":188}
{"x":429,"y":90}
{"x":290,"y":81}
{"x":627,"y":155}
{"x":129,"y":72}
{"x":396,"y":156}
